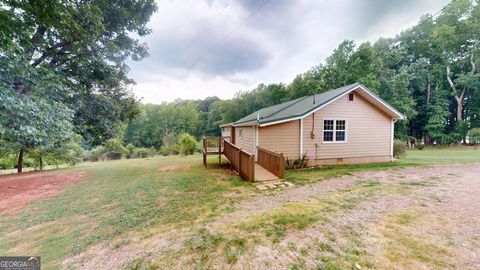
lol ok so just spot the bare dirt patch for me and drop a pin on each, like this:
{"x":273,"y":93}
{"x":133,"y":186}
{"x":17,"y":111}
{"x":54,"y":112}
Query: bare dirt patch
{"x":174,"y":167}
{"x":18,"y":191}
{"x":434,"y":225}
{"x":430,"y":219}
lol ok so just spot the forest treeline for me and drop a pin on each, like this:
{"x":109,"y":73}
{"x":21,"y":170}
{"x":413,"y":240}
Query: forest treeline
{"x":64,"y":85}
{"x":429,"y":73}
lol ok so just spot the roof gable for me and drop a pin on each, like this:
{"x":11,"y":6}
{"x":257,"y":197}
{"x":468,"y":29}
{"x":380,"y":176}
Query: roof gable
{"x":302,"y":107}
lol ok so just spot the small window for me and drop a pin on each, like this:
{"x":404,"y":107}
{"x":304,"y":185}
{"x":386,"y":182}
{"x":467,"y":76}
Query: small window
{"x":223,"y":129}
{"x":240,"y":132}
{"x":334,"y":130}
{"x":351,"y":97}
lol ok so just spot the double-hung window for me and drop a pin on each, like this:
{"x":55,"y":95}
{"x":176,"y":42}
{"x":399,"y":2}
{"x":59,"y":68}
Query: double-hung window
{"x":334,"y":130}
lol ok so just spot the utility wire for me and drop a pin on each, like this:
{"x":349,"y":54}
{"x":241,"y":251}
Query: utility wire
{"x":192,"y":42}
{"x":224,"y":38}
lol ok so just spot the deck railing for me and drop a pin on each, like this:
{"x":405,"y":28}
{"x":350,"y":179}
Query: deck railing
{"x":213,"y":144}
{"x":273,"y":162}
{"x":240,"y":161}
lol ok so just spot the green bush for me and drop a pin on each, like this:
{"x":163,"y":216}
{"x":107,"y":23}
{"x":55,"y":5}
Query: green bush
{"x":114,"y":149}
{"x":474,"y":136}
{"x":142,"y":152}
{"x":169,"y":150}
{"x":420,"y":146}
{"x":95,"y":154}
{"x":8,"y":159}
{"x":187,"y":144}
{"x":296,"y":163}
{"x":131,"y":151}
{"x":399,"y":149}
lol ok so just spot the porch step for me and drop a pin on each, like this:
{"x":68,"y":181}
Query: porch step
{"x":273,"y":184}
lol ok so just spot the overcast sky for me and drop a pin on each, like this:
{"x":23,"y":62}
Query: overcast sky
{"x":202,"y":48}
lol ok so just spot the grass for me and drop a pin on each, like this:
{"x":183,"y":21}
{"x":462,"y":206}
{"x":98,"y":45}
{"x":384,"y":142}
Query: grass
{"x":404,"y":246}
{"x":298,"y":216}
{"x":124,"y":200}
{"x":412,"y":159}
{"x":119,"y":197}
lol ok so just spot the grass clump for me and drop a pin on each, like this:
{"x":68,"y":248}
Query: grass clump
{"x":299,"y":216}
{"x":405,"y":247}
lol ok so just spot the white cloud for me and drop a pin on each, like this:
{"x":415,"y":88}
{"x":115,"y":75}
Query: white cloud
{"x":190,"y":87}
{"x":206,"y":48}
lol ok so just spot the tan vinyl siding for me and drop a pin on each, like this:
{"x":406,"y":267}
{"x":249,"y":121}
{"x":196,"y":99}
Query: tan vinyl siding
{"x":247,"y":141}
{"x":368,"y":131}
{"x":281,"y":138}
{"x":226,"y":131}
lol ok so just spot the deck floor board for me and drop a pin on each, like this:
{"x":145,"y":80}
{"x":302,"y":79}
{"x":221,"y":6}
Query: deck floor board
{"x":261,"y":174}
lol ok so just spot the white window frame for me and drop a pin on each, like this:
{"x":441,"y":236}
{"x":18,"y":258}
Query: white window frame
{"x":240,"y":133}
{"x":334,"y":119}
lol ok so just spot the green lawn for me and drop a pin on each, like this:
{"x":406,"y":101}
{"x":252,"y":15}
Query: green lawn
{"x":118,"y":197}
{"x":144,"y":196}
{"x":412,"y":158}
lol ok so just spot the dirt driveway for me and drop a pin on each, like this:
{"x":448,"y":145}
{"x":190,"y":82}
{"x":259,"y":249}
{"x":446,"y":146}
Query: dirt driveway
{"x":18,"y":191}
{"x":415,"y":218}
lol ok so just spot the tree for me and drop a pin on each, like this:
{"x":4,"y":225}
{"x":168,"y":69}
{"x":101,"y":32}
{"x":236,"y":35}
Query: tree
{"x":458,"y":40}
{"x":30,"y":122}
{"x":84,"y":44}
{"x":187,"y":144}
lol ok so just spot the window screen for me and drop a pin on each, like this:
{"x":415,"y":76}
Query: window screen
{"x":334,"y":130}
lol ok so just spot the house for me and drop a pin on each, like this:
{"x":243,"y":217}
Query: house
{"x":342,"y":126}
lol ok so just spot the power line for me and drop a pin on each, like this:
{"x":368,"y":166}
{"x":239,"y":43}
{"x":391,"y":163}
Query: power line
{"x":192,"y":42}
{"x":229,"y":34}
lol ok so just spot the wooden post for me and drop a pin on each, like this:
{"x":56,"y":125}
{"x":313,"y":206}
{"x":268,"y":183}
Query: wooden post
{"x":204,"y":153}
{"x":281,"y":166}
{"x":220,"y":150}
{"x":252,"y":168}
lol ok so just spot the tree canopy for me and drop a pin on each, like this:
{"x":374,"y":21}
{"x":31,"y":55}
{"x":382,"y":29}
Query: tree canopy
{"x":63,"y":62}
{"x":429,"y":72}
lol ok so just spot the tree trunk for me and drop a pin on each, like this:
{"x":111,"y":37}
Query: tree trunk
{"x":429,"y":90}
{"x":40,"y":161}
{"x":20,"y":161}
{"x":458,"y":98}
{"x":459,"y":109}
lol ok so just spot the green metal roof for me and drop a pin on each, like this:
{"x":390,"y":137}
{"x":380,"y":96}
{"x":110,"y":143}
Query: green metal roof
{"x":302,"y":106}
{"x":293,"y":108}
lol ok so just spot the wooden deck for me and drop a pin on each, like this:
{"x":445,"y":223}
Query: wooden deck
{"x":261,"y":174}
{"x":269,"y":167}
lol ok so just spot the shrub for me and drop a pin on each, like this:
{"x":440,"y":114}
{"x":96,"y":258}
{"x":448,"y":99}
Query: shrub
{"x":8,"y":159}
{"x":187,"y":144}
{"x":95,"y":154}
{"x":169,"y":150}
{"x":296,"y":163}
{"x":420,"y":146}
{"x":143,"y":152}
{"x":131,"y":151}
{"x":399,"y":149}
{"x":474,"y":136}
{"x":114,"y":148}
